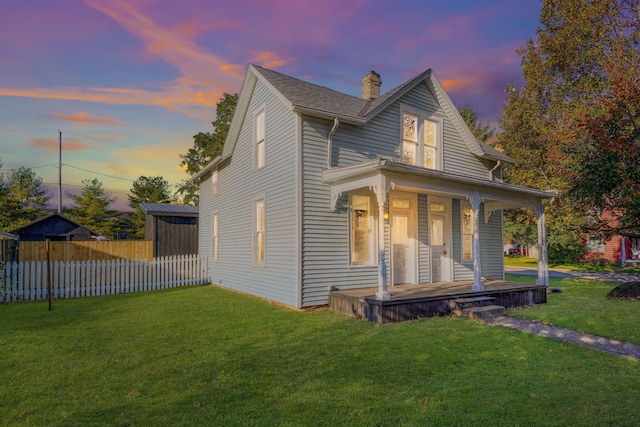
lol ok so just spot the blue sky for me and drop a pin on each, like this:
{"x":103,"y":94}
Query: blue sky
{"x":129,"y":82}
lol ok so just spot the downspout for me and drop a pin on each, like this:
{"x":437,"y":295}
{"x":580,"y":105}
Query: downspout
{"x":336,"y":122}
{"x":494,"y":168}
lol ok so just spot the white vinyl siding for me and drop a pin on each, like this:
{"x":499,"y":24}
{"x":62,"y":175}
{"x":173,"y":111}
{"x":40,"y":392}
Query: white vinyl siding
{"x":325,"y":235}
{"x":277,"y":280}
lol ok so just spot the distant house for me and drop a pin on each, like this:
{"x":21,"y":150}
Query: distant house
{"x":316,"y":189}
{"x":172,"y":228}
{"x":619,"y":248}
{"x":54,"y":226}
{"x":623,"y":249}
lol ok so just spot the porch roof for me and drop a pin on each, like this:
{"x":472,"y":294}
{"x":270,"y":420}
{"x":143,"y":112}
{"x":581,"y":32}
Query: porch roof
{"x":400,"y":176}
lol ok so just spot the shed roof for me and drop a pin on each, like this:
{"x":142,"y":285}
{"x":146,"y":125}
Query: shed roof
{"x":171,"y":210}
{"x":46,"y":217}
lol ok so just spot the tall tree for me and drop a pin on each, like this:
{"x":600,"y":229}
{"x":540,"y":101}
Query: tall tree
{"x":24,"y":197}
{"x":92,"y":209}
{"x":207,"y":145}
{"x":483,"y":133}
{"x":153,"y":189}
{"x":573,"y":125}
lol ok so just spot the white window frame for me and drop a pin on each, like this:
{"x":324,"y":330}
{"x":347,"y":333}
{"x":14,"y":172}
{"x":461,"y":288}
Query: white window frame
{"x":423,"y":116}
{"x":260,"y":141}
{"x":464,"y":205}
{"x":257,"y":232}
{"x":214,"y":183}
{"x":595,"y":245}
{"x":372,"y":227}
{"x":215,"y":236}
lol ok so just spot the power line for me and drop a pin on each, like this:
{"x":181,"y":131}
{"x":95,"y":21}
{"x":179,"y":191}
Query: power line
{"x":108,"y":142}
{"x":98,"y":173}
{"x":32,"y":167}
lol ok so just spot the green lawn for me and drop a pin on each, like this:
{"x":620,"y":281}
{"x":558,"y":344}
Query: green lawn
{"x":205,"y":356}
{"x":583,"y":306}
{"x":516,"y":261}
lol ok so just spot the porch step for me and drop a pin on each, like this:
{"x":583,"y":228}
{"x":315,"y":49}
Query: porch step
{"x":482,"y":312}
{"x":462,"y":303}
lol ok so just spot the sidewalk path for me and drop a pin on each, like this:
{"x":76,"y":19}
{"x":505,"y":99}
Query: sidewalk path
{"x":609,"y":276}
{"x":585,"y":340}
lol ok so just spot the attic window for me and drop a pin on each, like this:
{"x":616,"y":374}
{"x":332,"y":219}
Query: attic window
{"x":421,"y":139}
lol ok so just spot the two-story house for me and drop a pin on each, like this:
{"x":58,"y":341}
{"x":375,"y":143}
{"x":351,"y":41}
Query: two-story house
{"x":318,"y":190}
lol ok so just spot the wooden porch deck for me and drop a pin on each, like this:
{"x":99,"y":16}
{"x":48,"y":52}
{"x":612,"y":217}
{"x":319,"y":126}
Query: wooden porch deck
{"x":429,"y":299}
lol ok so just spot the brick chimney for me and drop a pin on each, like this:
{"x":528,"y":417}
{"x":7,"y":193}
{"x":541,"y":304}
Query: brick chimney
{"x":371,"y":85}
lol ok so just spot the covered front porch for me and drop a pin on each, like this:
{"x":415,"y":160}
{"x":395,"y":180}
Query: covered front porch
{"x":386,"y":179}
{"x":407,"y":302}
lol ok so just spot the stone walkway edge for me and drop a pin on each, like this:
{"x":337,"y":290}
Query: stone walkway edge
{"x":594,"y":342}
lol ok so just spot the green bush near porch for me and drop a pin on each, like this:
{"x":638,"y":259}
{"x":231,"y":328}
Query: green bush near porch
{"x":206,"y":356}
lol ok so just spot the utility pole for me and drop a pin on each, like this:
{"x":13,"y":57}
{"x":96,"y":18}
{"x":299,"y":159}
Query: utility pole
{"x":59,"y":171}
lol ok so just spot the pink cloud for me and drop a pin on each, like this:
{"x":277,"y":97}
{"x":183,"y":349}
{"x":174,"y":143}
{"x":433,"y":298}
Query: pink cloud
{"x":52,"y":144}
{"x":84,"y":118}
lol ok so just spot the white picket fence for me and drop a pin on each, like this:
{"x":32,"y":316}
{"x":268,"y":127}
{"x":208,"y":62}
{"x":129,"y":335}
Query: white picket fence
{"x":27,"y":281}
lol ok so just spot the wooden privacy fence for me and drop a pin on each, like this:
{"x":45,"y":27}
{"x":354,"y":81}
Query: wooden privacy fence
{"x":87,"y":250}
{"x":27,"y":281}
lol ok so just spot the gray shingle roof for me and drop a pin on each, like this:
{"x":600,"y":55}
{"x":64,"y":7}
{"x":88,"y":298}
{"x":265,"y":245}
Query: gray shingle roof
{"x":313,"y":97}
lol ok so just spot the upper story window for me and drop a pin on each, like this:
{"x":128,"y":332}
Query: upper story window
{"x":421,"y":139}
{"x":260,"y":136}
{"x":214,"y":182}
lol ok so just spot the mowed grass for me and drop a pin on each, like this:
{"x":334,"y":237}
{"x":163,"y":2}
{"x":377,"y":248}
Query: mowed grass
{"x":206,"y":356}
{"x":583,"y":306}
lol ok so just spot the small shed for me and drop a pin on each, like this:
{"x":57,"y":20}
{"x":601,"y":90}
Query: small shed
{"x":54,"y":226}
{"x":172,"y":228}
{"x":8,"y":247}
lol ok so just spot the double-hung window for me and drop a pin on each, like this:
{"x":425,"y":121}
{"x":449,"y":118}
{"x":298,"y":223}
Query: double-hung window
{"x":214,"y":236}
{"x":258,"y":232}
{"x":260,"y":139}
{"x":467,"y":232}
{"x":362,"y":239}
{"x":421,"y":139}
{"x":214,"y":182}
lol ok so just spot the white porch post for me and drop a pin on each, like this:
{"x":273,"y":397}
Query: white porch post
{"x":623,"y":250}
{"x":475,"y":201}
{"x":381,"y":195}
{"x":543,"y":261}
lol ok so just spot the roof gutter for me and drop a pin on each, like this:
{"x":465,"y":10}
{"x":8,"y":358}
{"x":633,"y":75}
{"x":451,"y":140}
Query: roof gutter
{"x":212,"y":164}
{"x":336,"y":122}
{"x":358,"y":121}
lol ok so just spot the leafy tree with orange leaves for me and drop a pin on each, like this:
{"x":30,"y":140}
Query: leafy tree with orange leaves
{"x":573,"y":125}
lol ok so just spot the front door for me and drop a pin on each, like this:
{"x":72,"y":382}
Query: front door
{"x":440,"y":239}
{"x":403,"y":238}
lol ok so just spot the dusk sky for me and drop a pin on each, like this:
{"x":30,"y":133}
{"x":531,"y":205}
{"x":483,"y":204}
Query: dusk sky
{"x":129,"y":82}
